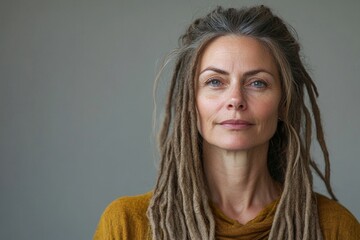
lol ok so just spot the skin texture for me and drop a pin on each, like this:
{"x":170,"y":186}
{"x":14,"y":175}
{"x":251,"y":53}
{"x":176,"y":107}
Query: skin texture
{"x":237,"y":99}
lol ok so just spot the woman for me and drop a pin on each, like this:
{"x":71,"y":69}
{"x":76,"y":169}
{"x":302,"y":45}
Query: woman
{"x":235,"y":142}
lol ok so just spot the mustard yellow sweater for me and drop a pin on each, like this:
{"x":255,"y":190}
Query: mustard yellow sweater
{"x":125,"y":218}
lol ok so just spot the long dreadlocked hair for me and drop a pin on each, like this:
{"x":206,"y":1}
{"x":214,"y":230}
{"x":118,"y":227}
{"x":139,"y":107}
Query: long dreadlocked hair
{"x":179,"y":208}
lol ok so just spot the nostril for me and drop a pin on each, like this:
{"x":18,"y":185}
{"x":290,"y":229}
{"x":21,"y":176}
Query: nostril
{"x":236,"y":104}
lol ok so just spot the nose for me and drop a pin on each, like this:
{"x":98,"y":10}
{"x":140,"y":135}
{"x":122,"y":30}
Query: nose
{"x":236,"y":100}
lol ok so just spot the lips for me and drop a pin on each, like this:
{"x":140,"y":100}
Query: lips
{"x":236,"y":124}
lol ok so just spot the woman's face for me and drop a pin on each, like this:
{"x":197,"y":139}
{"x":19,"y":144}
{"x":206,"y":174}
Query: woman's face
{"x":238,"y":93}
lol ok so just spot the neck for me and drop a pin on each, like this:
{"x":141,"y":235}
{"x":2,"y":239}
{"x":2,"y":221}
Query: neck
{"x":239,"y":181}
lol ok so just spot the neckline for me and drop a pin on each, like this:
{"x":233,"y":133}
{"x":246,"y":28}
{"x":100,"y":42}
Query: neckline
{"x":222,"y":218}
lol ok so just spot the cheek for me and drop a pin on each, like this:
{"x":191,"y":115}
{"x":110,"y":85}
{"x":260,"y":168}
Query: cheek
{"x":206,"y":109}
{"x":201,"y":109}
{"x":266,"y":109}
{"x":269,"y":114}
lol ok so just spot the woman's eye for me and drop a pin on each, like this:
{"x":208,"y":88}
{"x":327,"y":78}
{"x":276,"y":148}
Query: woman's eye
{"x":214,"y":83}
{"x":259,"y":84}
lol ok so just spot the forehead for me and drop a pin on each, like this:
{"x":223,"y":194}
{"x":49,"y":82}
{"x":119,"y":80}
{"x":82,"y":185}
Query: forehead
{"x":241,"y":53}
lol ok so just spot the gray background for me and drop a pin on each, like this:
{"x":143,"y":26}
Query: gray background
{"x":76,"y":102}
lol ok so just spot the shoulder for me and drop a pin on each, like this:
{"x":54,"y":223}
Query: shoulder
{"x":329,"y":209}
{"x":129,"y":205}
{"x":336,"y":221}
{"x":125,"y":218}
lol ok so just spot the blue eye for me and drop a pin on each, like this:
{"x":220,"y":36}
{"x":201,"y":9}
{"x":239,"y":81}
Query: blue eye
{"x":259,"y":84}
{"x":214,"y":82}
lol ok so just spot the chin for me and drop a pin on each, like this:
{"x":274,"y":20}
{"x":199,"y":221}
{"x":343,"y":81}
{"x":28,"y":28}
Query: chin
{"x":232,"y":145}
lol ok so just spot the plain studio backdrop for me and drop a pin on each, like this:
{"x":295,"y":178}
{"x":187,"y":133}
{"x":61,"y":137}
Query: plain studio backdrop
{"x":76,"y":79}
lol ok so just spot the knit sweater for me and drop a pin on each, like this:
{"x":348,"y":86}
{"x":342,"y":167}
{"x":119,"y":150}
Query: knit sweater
{"x":125,"y":218}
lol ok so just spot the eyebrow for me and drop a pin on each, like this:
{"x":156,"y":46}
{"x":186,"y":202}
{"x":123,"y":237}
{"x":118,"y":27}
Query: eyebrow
{"x":213,"y":69}
{"x":246,"y":74}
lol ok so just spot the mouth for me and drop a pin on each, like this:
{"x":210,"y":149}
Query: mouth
{"x":236,"y":124}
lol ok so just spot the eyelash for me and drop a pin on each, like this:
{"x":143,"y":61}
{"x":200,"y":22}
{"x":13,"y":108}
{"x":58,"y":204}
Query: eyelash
{"x":211,"y":81}
{"x":264,"y":84}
